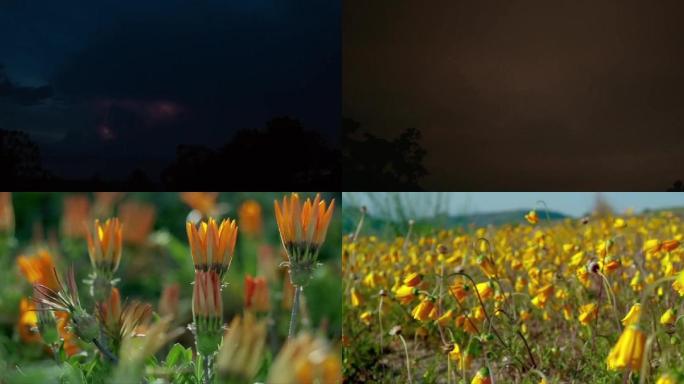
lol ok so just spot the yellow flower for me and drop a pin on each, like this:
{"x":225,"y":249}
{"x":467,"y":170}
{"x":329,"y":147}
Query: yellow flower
{"x":467,"y":324}
{"x":405,"y":294}
{"x":485,"y":290}
{"x":487,"y":266}
{"x":366,"y":317}
{"x":542,"y":296}
{"x":532,"y":217}
{"x":212,"y":245}
{"x":412,"y":279}
{"x":628,"y":352}
{"x":482,"y":377}
{"x":678,"y":284}
{"x":588,"y":313}
{"x":460,"y":290}
{"x":462,"y":358}
{"x":668,"y":318}
{"x":577,"y":259}
{"x":421,"y":312}
{"x":104,"y":246}
{"x":619,"y":223}
{"x":356,"y":299}
{"x":651,"y":246}
{"x":445,"y":318}
{"x":667,"y":378}
{"x":28,"y":322}
{"x":633,"y":315}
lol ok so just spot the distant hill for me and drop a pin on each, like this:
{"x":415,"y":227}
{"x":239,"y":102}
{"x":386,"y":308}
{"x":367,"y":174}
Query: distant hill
{"x":350,"y":218}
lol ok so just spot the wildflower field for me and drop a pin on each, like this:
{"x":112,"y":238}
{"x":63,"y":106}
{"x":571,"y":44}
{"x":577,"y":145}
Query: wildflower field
{"x":192,"y":287}
{"x":596,"y":299}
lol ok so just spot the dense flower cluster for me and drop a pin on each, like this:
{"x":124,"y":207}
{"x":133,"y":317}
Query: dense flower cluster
{"x":524,"y":299}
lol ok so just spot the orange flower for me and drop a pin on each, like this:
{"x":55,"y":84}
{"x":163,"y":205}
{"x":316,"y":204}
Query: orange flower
{"x":28,"y":322}
{"x":70,"y":342}
{"x":669,"y":245}
{"x":256,"y":294}
{"x":303,"y":225}
{"x":212,"y":246}
{"x":6,"y":212}
{"x":249,"y":216}
{"x":204,"y":202}
{"x":76,"y":216}
{"x":137,"y":219}
{"x":302,"y":230}
{"x":104,"y":246}
{"x":39,"y":269}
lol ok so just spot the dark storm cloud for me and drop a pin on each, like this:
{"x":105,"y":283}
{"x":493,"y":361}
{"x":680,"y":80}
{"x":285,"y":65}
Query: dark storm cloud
{"x":520,"y":95}
{"x":22,"y":95}
{"x":126,"y":74}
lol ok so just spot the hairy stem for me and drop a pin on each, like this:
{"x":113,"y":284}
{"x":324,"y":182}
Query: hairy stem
{"x":295,"y":309}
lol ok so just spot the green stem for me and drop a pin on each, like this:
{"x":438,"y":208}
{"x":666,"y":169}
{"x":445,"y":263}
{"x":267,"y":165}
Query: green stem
{"x":295,"y":309}
{"x":206,"y":362}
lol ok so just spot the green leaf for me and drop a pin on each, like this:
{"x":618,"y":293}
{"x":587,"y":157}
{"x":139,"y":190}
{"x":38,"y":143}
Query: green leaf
{"x":176,"y":355}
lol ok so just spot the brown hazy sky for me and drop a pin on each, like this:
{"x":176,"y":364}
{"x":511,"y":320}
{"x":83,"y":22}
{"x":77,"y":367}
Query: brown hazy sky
{"x":520,"y":95}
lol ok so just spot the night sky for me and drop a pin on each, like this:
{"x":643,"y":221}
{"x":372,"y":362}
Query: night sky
{"x":103,"y":86}
{"x":521,"y":95}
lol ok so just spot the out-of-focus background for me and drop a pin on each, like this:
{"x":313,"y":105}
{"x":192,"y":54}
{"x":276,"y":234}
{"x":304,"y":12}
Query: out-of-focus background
{"x":156,"y":256}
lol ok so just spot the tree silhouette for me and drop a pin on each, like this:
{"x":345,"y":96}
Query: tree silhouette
{"x":678,"y":186}
{"x":20,"y":160}
{"x":371,"y":162}
{"x":283,"y":154}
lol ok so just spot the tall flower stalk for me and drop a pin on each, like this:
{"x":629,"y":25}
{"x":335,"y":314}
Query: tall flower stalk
{"x":212,"y":246}
{"x":303,"y":228}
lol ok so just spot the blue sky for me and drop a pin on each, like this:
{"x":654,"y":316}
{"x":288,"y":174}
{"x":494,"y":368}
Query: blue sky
{"x":572,"y":203}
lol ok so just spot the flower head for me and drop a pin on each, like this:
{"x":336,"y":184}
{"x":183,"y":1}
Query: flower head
{"x":628,"y":352}
{"x":303,"y":228}
{"x":28,"y":322}
{"x":532,"y":217}
{"x":256,"y":294}
{"x":423,"y":310}
{"x":633,"y":315}
{"x":137,"y":219}
{"x":588,"y":313}
{"x":212,"y":245}
{"x":305,"y":360}
{"x":482,"y":377}
{"x":249,"y":217}
{"x":104,"y":246}
{"x":204,"y":202}
{"x":668,"y":317}
{"x":38,"y":269}
{"x":240,"y":355}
